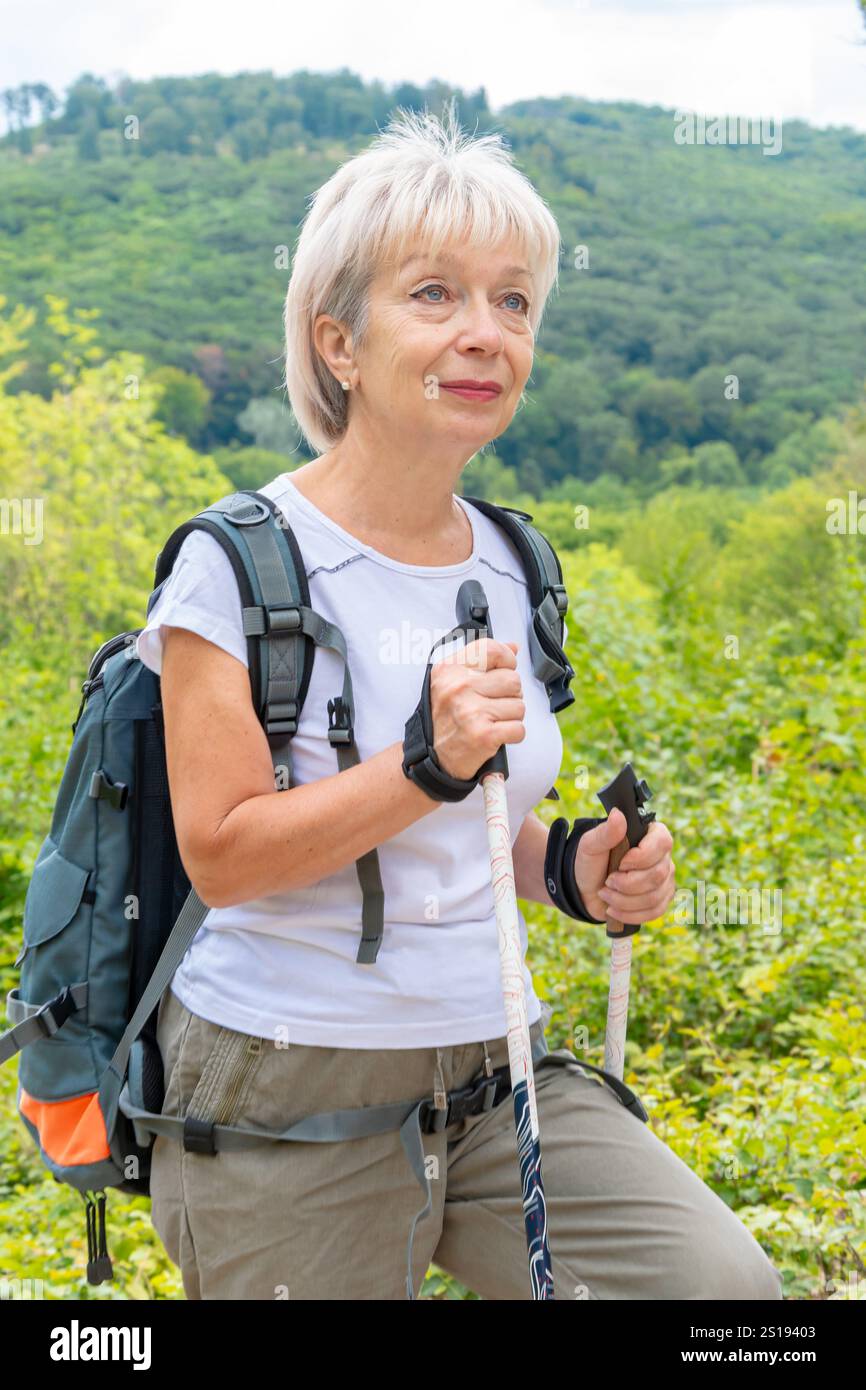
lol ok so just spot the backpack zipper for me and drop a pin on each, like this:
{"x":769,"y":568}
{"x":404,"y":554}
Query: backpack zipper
{"x":95,"y":674}
{"x":242,"y":1069}
{"x":108,"y":649}
{"x":87,"y":690}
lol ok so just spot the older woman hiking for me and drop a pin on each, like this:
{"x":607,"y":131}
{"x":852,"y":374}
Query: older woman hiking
{"x":416,"y":293}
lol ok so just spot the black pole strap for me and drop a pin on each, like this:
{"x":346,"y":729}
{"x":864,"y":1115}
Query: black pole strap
{"x":559,"y":866}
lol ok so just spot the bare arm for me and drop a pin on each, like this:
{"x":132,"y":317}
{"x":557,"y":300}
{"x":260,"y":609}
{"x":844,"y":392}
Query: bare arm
{"x":527,"y":855}
{"x":238,"y":838}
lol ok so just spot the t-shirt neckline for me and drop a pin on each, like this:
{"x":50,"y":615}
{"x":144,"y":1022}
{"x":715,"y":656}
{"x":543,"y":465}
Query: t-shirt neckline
{"x":430,"y":571}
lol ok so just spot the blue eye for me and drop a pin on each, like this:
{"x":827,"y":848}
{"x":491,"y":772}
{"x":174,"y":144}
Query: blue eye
{"x":430,"y":287}
{"x":521,"y":307}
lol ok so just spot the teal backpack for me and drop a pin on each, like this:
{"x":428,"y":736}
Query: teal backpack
{"x":110,"y":912}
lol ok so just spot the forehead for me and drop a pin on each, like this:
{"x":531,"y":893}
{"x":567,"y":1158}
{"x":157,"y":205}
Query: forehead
{"x":460,"y":257}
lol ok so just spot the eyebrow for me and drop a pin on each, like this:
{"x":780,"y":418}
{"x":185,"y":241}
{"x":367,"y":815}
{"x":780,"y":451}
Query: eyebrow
{"x":446,"y":256}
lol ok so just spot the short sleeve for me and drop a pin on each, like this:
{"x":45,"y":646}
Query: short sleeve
{"x":202,"y":595}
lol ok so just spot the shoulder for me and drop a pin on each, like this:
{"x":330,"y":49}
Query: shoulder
{"x":201,"y":550}
{"x":495,"y":546}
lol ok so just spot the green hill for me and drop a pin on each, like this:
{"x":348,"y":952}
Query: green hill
{"x":705,"y":263}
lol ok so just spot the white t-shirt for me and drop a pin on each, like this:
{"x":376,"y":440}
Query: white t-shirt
{"x":287,"y":961}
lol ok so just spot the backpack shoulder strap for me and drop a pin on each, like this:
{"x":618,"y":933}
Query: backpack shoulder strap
{"x":547,"y":596}
{"x":282,"y":633}
{"x":272,"y":581}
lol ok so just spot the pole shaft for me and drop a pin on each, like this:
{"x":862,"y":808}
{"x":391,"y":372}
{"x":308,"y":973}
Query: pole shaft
{"x":617,"y":1005}
{"x":518,"y":1038}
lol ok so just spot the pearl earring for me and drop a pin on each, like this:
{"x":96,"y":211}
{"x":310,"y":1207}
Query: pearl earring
{"x":345,"y":385}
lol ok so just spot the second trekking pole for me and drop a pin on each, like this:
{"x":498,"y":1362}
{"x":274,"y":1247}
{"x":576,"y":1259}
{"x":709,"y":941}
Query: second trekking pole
{"x":629,"y":795}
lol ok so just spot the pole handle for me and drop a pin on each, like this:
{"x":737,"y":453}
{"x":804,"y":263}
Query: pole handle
{"x":628,"y":795}
{"x":473,"y":615}
{"x":615,"y":927}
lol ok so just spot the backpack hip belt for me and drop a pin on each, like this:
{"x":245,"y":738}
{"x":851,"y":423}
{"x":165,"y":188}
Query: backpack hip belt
{"x":412,"y":1118}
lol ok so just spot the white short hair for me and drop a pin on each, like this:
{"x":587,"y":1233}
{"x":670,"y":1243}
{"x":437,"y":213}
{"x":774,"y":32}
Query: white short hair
{"x":421,"y":177}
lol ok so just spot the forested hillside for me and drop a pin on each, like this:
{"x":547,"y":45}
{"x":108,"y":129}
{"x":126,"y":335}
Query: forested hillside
{"x":703,"y":266}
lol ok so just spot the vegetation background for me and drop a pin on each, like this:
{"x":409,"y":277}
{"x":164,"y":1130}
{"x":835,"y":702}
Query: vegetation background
{"x":696,"y":406}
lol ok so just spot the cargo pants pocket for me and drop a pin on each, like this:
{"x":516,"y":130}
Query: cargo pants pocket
{"x":228,"y":1073}
{"x":210,"y":1071}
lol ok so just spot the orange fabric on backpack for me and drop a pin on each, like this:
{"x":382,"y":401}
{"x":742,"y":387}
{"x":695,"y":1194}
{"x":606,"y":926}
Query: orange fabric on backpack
{"x":70,"y":1131}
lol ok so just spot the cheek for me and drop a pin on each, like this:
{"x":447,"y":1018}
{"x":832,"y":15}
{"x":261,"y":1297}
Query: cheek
{"x":407,"y":356}
{"x":522,"y":361}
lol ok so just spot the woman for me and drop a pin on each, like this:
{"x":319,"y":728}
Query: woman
{"x":416,"y":293}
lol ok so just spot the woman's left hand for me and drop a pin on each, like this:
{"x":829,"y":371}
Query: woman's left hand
{"x":641,"y":888}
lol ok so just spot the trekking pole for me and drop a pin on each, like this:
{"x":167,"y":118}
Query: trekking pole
{"x":472,"y":615}
{"x":629,"y":795}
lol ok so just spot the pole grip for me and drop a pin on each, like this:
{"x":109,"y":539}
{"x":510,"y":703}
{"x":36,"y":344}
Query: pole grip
{"x":473,"y":615}
{"x":628,"y":795}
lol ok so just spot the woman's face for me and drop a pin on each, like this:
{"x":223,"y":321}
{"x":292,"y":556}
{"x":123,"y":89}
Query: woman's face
{"x":435,"y":323}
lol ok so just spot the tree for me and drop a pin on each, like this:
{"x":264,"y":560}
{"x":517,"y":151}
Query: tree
{"x":249,"y":467}
{"x":272,"y":425}
{"x":714,"y":464}
{"x":184,"y":401}
{"x":88,"y":138}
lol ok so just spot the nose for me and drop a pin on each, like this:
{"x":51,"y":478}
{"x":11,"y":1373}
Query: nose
{"x":479,"y":327}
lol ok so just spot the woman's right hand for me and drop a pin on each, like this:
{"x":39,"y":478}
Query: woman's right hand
{"x":476,"y":704}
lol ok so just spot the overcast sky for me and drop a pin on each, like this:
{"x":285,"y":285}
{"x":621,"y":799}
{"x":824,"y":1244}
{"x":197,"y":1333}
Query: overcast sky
{"x":781,"y":58}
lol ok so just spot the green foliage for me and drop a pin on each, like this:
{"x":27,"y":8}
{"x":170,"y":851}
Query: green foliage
{"x":273,"y":427}
{"x":250,"y":468}
{"x":486,"y":476}
{"x":706,"y":264}
{"x":183,"y":402}
{"x":747,"y":1038}
{"x":717,"y":637}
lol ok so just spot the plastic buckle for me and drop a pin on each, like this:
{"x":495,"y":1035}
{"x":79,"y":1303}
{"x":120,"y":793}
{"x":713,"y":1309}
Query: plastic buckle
{"x":460,"y":1104}
{"x":282,"y":717}
{"x":340,"y":728}
{"x":465,"y":1102}
{"x":56,"y":1012}
{"x":116,"y":793}
{"x":246,"y":511}
{"x":198,"y":1136}
{"x":285,"y":617}
{"x":560,"y":595}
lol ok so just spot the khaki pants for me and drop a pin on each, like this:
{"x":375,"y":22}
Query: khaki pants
{"x":627,"y":1218}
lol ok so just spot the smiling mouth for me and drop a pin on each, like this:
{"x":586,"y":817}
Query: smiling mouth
{"x":472,"y":391}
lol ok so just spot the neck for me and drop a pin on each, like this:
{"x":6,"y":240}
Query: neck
{"x":390,"y":489}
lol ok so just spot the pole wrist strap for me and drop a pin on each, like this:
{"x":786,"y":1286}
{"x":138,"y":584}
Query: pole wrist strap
{"x":420,"y":763}
{"x":559,"y":866}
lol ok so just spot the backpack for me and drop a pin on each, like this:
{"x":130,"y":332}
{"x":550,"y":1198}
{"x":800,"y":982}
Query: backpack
{"x":109,"y":910}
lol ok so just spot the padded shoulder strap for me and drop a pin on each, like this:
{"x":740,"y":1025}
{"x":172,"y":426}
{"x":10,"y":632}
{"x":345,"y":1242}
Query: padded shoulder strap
{"x":547,"y":596}
{"x":269,"y":569}
{"x":282,"y":633}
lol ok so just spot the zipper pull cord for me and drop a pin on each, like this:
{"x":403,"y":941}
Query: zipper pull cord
{"x":90,"y":1218}
{"x":99,"y":1266}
